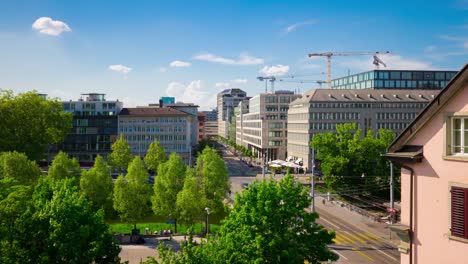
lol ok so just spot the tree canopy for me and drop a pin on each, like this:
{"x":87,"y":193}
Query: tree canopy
{"x":17,"y":166}
{"x":155,"y":156}
{"x":97,"y":185}
{"x":345,"y":156}
{"x":189,"y":199}
{"x":121,"y":154}
{"x":167,"y":185}
{"x":52,"y":224}
{"x":212,"y":175}
{"x":268,"y":224}
{"x":132,"y":193}
{"x":29,"y":123}
{"x":63,"y":167}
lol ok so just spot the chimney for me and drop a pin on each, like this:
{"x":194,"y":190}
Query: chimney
{"x":161,"y":103}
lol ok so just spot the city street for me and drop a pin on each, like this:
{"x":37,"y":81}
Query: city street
{"x":358,"y":239}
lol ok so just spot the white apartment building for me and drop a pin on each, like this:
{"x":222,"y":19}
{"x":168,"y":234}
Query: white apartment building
{"x":262,"y":126}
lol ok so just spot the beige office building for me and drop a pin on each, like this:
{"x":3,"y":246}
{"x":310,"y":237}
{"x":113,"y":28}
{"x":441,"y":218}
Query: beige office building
{"x":173,"y":128}
{"x":320,"y":110}
{"x":262,"y":125}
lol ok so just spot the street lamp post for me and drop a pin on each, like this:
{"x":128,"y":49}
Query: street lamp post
{"x":207,"y":220}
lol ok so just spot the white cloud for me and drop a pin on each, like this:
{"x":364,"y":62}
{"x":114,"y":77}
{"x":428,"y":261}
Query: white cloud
{"x":239,"y":81}
{"x":192,"y":93}
{"x":393,"y":62}
{"x":121,"y":69}
{"x":48,"y":26}
{"x":293,"y":27}
{"x":222,"y":85}
{"x":178,"y":63}
{"x":275,"y":70}
{"x":244,"y":59}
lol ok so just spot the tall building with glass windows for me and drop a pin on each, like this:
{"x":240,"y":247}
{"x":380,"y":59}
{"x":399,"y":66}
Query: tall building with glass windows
{"x":321,"y":110}
{"x":94,"y":128}
{"x":262,"y":126}
{"x":394,"y":79}
{"x":227,"y":100}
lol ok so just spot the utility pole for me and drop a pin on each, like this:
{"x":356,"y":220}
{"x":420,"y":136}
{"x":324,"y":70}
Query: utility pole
{"x":391,"y":192}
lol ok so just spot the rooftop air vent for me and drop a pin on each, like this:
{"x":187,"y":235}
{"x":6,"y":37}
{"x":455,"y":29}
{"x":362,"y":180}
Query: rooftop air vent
{"x":408,"y":96}
{"x":395,"y":95}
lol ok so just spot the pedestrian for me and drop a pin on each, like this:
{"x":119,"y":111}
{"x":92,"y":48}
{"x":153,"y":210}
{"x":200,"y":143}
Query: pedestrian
{"x":323,"y":201}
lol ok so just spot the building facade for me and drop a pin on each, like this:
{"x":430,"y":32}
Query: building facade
{"x":94,"y":127}
{"x":433,"y":154}
{"x":201,"y":126}
{"x":320,"y":110}
{"x":227,"y":100}
{"x":261,"y":125}
{"x":141,"y":126}
{"x":393,"y":79}
{"x":211,"y":124}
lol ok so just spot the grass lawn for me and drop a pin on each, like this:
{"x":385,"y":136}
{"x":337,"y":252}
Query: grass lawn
{"x":125,"y":228}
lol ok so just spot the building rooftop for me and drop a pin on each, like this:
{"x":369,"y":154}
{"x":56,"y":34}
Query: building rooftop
{"x":151,"y":111}
{"x":366,"y":95}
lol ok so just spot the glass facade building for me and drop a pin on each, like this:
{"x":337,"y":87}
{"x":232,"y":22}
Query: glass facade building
{"x":393,"y":79}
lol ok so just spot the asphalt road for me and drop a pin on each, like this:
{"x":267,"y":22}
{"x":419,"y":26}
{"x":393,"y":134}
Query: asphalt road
{"x":354,"y":245}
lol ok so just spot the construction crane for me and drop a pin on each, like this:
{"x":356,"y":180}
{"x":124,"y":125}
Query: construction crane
{"x":376,"y":62}
{"x":319,"y":82}
{"x":271,"y":79}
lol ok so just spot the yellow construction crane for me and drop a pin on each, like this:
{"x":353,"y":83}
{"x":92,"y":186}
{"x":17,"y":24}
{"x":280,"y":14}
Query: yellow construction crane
{"x":376,"y":62}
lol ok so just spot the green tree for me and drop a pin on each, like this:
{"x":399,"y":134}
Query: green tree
{"x":167,"y":185}
{"x":268,"y":224}
{"x":120,"y":156}
{"x":132,"y":193}
{"x":213,"y":177}
{"x":97,"y":185}
{"x":54,"y":225}
{"x":346,"y":157}
{"x":63,"y":167}
{"x":155,"y":156}
{"x":16,"y":166}
{"x":29,"y":123}
{"x":189,"y":199}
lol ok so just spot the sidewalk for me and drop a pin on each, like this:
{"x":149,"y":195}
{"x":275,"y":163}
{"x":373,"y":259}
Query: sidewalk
{"x":380,"y":230}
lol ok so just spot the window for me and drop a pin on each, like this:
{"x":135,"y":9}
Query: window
{"x":395,"y":75}
{"x":459,"y":212}
{"x":459,"y":136}
{"x":406,"y":75}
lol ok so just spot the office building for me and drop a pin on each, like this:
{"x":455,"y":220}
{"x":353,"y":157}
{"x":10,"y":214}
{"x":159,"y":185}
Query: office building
{"x":227,"y":100}
{"x":94,"y":127}
{"x":211,"y":124}
{"x":173,"y":128}
{"x":201,"y":126}
{"x":261,"y":124}
{"x":320,"y":110}
{"x":394,"y":79}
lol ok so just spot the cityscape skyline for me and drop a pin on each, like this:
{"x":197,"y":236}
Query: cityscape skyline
{"x":134,"y":52}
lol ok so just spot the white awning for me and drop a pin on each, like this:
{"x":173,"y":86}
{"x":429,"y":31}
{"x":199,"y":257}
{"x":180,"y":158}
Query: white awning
{"x":299,"y":160}
{"x":289,"y":158}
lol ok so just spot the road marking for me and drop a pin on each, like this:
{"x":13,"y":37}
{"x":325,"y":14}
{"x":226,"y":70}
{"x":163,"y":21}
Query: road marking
{"x":355,"y":237}
{"x":364,"y":255}
{"x":339,"y":254}
{"x":384,"y":253}
{"x":374,"y":237}
{"x":337,"y":227}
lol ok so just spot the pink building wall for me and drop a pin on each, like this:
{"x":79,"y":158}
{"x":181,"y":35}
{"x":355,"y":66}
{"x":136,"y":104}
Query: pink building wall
{"x":431,"y":243}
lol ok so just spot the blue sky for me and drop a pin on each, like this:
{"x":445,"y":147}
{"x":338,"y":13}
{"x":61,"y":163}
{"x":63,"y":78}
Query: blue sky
{"x":137,"y":51}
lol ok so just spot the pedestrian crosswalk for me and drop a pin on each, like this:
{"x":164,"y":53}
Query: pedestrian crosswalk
{"x":355,"y":238}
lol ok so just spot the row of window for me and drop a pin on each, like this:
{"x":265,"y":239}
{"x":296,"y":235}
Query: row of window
{"x":328,"y":126}
{"x":303,"y":137}
{"x":403,"y":105}
{"x":394,"y":84}
{"x":93,"y":113}
{"x":252,"y":140}
{"x":257,"y":133}
{"x":404,"y":116}
{"x":275,"y":133}
{"x":298,"y":148}
{"x":153,"y":120}
{"x":161,"y":138}
{"x":73,"y":106}
{"x":276,"y":125}
{"x":143,"y":147}
{"x":392,"y":125}
{"x":335,"y":116}
{"x":394,"y":75}
{"x":275,"y":143}
{"x":276,"y":117}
